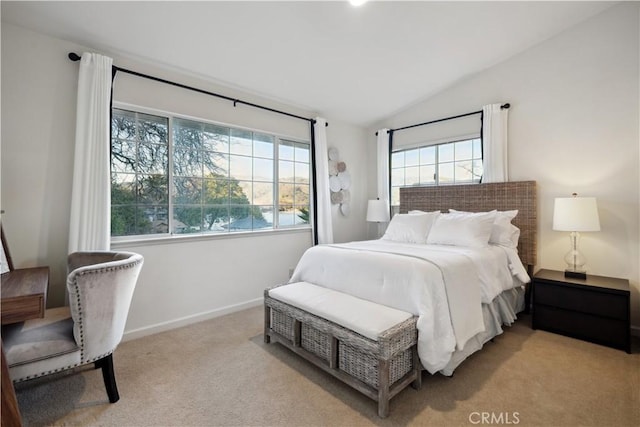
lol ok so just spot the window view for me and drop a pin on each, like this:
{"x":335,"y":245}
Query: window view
{"x":139,"y":174}
{"x":293,"y":183}
{"x":218,"y":179}
{"x":457,"y":162}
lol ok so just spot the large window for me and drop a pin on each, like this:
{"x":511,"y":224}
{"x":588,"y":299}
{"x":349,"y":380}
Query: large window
{"x":458,"y":162}
{"x":170,"y":175}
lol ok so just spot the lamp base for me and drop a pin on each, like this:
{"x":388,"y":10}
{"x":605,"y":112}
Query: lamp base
{"x":576,"y":274}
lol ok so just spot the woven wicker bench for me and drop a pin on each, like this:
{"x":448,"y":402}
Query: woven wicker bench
{"x":315,"y":323}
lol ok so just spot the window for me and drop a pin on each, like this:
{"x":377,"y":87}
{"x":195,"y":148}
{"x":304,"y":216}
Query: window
{"x":458,"y":162}
{"x":171,"y":175}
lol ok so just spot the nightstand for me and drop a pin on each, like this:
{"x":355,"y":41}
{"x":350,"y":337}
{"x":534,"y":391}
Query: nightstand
{"x":596,"y":309}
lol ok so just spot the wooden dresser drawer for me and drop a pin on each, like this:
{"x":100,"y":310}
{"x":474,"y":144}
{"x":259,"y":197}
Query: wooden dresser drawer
{"x":605,"y":331}
{"x":582,"y":300}
{"x":20,"y":309}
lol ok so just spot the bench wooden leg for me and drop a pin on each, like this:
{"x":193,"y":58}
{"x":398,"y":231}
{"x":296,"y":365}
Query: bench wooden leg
{"x":383,"y":388}
{"x":267,"y":323}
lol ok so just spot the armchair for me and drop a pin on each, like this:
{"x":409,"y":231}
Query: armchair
{"x":100,"y":286}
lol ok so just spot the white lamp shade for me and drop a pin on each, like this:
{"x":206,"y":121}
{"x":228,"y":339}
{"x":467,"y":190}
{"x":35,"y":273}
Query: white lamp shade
{"x":378,"y":211}
{"x":576,"y":214}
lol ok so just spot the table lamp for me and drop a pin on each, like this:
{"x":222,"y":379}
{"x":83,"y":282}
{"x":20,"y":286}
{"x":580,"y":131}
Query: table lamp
{"x":575,"y":214}
{"x":378,"y":211}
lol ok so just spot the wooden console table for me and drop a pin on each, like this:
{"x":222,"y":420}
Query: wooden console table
{"x":24,"y":295}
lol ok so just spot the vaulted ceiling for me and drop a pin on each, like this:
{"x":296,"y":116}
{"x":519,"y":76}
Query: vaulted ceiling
{"x":356,"y":64}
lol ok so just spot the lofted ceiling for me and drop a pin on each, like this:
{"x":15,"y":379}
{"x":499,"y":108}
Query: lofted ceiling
{"x":355,"y":64}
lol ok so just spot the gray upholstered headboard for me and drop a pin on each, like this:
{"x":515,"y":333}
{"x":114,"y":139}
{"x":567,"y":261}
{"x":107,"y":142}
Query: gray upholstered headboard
{"x":503,"y":196}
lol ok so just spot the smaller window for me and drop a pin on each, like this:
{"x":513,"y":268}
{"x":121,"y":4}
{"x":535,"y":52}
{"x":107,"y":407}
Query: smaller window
{"x":457,"y":162}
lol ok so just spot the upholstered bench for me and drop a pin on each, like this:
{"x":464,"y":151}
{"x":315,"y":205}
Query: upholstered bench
{"x":368,"y":346}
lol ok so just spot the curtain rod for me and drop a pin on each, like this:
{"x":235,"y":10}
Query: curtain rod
{"x":502,"y":107}
{"x":75,"y":57}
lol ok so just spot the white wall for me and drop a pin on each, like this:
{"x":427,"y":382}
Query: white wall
{"x":573,"y":127}
{"x":38,"y":130}
{"x":183,"y":281}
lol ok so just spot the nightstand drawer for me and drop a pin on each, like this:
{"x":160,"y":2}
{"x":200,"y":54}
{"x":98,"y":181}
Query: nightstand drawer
{"x":610,"y":332}
{"x":581,"y":300}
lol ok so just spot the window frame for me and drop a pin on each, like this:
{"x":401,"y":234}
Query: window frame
{"x":170,"y":235}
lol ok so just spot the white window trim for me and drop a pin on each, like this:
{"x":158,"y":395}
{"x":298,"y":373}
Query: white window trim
{"x":162,"y":239}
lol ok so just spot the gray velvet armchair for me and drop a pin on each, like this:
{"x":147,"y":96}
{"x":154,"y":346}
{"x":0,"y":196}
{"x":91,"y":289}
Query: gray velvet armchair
{"x":100,"y":286}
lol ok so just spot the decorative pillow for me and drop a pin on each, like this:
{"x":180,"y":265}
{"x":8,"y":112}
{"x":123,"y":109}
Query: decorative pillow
{"x":462,"y":229}
{"x":503,"y":233}
{"x":410,"y":228}
{"x":417,"y":212}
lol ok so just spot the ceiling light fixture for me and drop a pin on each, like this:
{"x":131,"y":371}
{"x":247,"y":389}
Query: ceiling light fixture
{"x":357,"y":2}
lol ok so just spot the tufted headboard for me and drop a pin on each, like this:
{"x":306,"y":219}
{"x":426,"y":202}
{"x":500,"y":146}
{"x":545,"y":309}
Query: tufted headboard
{"x":503,"y":196}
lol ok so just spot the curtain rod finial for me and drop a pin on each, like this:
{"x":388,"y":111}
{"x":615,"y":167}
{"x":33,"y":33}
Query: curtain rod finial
{"x":74,"y":56}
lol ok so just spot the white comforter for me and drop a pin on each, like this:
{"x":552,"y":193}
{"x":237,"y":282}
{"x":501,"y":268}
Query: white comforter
{"x":443,"y":285}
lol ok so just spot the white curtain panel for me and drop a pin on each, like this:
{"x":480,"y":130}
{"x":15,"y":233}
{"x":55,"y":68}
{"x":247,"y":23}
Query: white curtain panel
{"x":494,"y":140}
{"x":90,"y":224}
{"x":383,"y":164}
{"x":323,"y":210}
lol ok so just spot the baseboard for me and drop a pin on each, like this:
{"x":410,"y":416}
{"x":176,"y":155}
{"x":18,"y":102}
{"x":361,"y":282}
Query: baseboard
{"x":195,"y":318}
{"x":188,"y":320}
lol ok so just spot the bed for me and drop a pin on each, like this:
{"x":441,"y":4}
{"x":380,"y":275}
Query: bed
{"x":462,"y":293}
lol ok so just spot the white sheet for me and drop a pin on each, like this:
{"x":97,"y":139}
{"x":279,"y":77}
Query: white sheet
{"x":412,"y":277}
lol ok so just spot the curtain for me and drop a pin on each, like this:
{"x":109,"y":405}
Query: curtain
{"x":90,"y":223}
{"x":323,"y":209}
{"x":383,"y":164}
{"x":494,"y":143}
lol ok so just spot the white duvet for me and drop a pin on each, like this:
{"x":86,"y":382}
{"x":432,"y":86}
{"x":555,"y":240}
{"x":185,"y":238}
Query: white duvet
{"x":443,"y":285}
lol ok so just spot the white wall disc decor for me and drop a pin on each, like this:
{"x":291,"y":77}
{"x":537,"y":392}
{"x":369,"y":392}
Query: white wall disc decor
{"x":339,"y":181}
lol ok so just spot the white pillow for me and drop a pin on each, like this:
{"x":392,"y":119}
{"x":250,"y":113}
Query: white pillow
{"x":462,"y":229}
{"x":417,"y":212}
{"x":503,"y":233}
{"x":410,"y":228}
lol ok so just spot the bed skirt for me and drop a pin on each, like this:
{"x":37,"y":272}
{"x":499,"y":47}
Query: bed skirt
{"x":501,"y":311}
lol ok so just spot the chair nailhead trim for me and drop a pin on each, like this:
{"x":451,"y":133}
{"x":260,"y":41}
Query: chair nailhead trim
{"x":31,"y":377}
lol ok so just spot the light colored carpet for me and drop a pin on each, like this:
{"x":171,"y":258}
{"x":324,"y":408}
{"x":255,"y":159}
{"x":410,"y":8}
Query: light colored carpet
{"x":220,"y":373}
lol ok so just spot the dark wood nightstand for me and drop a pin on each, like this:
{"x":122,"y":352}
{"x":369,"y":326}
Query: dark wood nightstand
{"x":596,"y":309}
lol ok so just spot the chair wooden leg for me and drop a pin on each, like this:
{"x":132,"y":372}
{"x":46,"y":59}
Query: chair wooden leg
{"x":109,"y":377}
